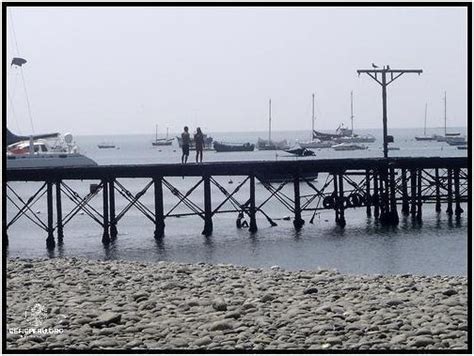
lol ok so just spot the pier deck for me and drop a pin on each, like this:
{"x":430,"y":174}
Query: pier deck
{"x":378,"y":184}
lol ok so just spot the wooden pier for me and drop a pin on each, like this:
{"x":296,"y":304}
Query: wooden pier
{"x":380,"y":185}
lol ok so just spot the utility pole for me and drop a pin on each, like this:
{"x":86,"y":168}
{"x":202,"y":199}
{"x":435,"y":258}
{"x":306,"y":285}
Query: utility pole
{"x":384,"y":82}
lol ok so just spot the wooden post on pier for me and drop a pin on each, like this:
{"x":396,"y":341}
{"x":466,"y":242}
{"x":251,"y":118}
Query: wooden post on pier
{"x":105,"y":196}
{"x":159,"y":211}
{"x":340,"y":202}
{"x":413,"y":192}
{"x":335,"y":195}
{"x":438,"y":197}
{"x":298,"y":222}
{"x":405,"y":205}
{"x":367,"y":194}
{"x":376,"y":196}
{"x":113,"y":222}
{"x":419,"y":203}
{"x":207,"y":207}
{"x":252,"y":211}
{"x":49,"y":201}
{"x":383,"y":187}
{"x":59,"y":212}
{"x":458,"y":210}
{"x":449,"y":209}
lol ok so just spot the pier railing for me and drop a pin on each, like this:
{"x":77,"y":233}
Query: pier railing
{"x":377,"y":184}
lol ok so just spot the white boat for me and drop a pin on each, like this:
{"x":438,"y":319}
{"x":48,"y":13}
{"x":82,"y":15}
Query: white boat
{"x":456,"y":140}
{"x":346,"y":146}
{"x":425,"y":137}
{"x":44,"y":150}
{"x":44,"y":153}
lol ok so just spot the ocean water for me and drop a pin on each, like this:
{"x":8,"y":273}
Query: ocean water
{"x":438,"y":246}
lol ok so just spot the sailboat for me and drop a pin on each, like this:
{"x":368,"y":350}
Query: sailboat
{"x":424,"y":137}
{"x":269,"y":145}
{"x":43,"y":150}
{"x":446,"y":134}
{"x":162,"y":141}
{"x":354,"y":138}
{"x":315,"y":142}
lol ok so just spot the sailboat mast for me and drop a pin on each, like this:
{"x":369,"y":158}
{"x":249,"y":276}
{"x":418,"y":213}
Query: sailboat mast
{"x":426,"y":109}
{"x":156,"y":133}
{"x":352,"y":114}
{"x":312,"y":121}
{"x":167,"y":129}
{"x":444,"y":113}
{"x":269,"y":121}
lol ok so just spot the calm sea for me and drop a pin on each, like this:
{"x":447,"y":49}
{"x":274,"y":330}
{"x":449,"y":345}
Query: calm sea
{"x":438,"y":246}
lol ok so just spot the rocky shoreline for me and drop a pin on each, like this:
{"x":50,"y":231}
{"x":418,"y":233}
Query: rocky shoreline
{"x":79,"y":304}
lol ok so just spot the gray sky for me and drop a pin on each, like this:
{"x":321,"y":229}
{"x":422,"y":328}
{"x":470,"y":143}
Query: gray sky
{"x":123,"y":70}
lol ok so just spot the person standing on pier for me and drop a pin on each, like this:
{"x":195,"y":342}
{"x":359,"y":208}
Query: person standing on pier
{"x":199,"y":142}
{"x":185,"y":141}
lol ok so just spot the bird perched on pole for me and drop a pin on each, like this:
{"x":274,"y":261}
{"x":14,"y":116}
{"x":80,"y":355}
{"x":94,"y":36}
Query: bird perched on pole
{"x":374,"y":66}
{"x":388,"y":67}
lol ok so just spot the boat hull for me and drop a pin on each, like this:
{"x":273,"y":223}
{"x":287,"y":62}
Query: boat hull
{"x":222,"y":147}
{"x":48,"y":160}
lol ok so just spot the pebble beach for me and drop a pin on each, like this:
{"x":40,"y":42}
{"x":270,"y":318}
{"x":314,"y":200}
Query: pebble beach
{"x":80,"y":304}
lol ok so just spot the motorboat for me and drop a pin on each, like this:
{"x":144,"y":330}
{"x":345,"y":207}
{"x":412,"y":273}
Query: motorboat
{"x":456,"y":140}
{"x":233,"y":147}
{"x":463,"y":147}
{"x":52,"y":150}
{"x":284,"y":177}
{"x":345,"y":146}
{"x":103,"y":145}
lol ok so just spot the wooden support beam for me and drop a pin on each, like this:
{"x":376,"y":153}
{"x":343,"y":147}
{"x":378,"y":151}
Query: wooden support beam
{"x":105,"y":206}
{"x":335,"y":195}
{"x":59,"y":212}
{"x":367,"y":194}
{"x":376,"y":196}
{"x":159,"y":210}
{"x":449,"y":209}
{"x":113,"y":222}
{"x":252,"y":211}
{"x":405,"y":204}
{"x":342,"y":219}
{"x":419,"y":201}
{"x":437,"y":192}
{"x":207,"y":207}
{"x":413,"y":192}
{"x":298,"y":222}
{"x":50,"y":243}
{"x":457,"y":197}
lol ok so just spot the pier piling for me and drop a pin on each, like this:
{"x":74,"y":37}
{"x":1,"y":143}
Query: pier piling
{"x":50,"y":243}
{"x":419,"y":197}
{"x":457,"y":197}
{"x":437,"y":192}
{"x":59,"y":212}
{"x":207,"y":207}
{"x":393,"y":202}
{"x":340,"y":202}
{"x":449,"y":209}
{"x":367,"y":194}
{"x":252,"y":211}
{"x":298,"y":222}
{"x":375,"y":196}
{"x":113,"y":222}
{"x":413,"y":192}
{"x":159,"y":211}
{"x":105,"y":196}
{"x":405,"y":204}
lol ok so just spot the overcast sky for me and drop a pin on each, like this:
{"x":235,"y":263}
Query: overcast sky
{"x":123,"y":70}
